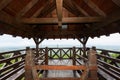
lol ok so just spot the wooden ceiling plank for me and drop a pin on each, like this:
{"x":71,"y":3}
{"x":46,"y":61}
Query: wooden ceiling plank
{"x":36,"y":14}
{"x":27,"y":7}
{"x":48,"y":7}
{"x":94,"y":7}
{"x":113,"y":17}
{"x":5,"y":18}
{"x":4,"y":3}
{"x":59,"y":6}
{"x":64,"y":20}
{"x":117,"y":2}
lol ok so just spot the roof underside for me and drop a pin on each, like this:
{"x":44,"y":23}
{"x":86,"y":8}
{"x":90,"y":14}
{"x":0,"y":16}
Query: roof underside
{"x":59,"y":18}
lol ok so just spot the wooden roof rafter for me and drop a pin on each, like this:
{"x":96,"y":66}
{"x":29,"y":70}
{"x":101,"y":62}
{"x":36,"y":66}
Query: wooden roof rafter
{"x":38,"y":12}
{"x":117,"y":2}
{"x":80,"y":9}
{"x":69,"y":6}
{"x":49,"y":7}
{"x":94,"y":7}
{"x":27,"y":8}
{"x":4,"y":3}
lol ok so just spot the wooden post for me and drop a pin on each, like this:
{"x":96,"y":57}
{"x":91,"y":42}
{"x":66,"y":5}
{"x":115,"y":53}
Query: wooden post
{"x":74,"y":56}
{"x":46,"y":56}
{"x":92,"y":64}
{"x":74,"y":60}
{"x":46,"y":60}
{"x":61,"y":53}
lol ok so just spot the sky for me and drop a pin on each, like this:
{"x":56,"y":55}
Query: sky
{"x":9,"y":41}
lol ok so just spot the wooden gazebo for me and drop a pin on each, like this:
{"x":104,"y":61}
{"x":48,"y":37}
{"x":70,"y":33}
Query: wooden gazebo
{"x":59,"y":19}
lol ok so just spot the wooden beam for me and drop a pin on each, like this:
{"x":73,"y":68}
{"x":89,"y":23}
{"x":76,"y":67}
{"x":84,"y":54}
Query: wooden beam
{"x":60,"y":67}
{"x":117,"y":2}
{"x":94,"y":7}
{"x":64,"y":20}
{"x":4,"y":3}
{"x":59,"y":4}
{"x":27,"y":7}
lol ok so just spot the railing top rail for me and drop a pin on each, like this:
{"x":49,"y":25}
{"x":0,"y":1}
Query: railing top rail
{"x":116,"y":52}
{"x":1,"y":53}
{"x":61,"y":48}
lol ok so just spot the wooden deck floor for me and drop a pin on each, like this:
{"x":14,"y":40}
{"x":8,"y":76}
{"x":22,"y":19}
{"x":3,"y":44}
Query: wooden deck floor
{"x":60,"y":73}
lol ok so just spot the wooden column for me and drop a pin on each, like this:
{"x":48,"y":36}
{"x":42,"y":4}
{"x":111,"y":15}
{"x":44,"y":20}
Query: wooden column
{"x":84,"y":41}
{"x":92,"y":64}
{"x":37,"y":42}
{"x":28,"y":65}
{"x":30,"y":71}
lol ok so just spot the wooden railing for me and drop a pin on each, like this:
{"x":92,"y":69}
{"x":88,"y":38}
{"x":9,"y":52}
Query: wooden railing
{"x":109,"y":62}
{"x":90,"y":67}
{"x":12,"y":63}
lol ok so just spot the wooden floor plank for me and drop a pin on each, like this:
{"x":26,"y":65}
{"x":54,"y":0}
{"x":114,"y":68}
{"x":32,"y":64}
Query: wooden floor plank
{"x":55,"y":74}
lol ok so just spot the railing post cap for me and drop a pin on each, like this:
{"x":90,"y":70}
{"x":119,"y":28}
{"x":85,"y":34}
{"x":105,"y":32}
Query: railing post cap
{"x":93,"y":47}
{"x":27,"y":48}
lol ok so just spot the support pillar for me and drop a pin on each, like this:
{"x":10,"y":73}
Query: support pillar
{"x":92,"y":64}
{"x":84,"y":41}
{"x":30,"y":71}
{"x":37,"y":42}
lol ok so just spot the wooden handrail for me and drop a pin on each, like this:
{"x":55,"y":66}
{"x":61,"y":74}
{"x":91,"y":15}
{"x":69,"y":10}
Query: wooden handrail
{"x":12,"y":65}
{"x":109,"y":72}
{"x":60,"y":67}
{"x":115,"y":60}
{"x":10,"y":52}
{"x":8,"y":59}
{"x":109,"y":65}
{"x":11,"y":73}
{"x":116,"y":52}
